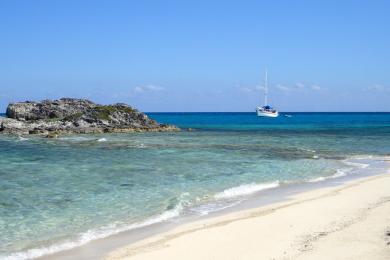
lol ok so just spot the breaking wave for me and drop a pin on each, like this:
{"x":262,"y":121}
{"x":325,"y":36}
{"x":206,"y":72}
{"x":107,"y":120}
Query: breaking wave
{"x":338,"y":174}
{"x":357,"y":165}
{"x":94,"y":234}
{"x":245,"y":189}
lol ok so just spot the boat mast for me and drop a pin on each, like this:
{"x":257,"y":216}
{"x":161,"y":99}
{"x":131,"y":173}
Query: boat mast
{"x":266,"y":88}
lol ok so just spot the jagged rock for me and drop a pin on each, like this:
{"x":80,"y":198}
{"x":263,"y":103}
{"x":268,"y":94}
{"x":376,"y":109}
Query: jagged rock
{"x":46,"y":109}
{"x":69,"y":115}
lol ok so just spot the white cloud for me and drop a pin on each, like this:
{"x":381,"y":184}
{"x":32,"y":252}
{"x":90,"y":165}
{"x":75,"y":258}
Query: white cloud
{"x":147,"y":88}
{"x":251,"y":89}
{"x":299,"y":85}
{"x":283,"y":87}
{"x":258,"y":87}
{"x":377,"y":87}
{"x":246,"y":89}
{"x":295,"y":87}
{"x":138,"y":90}
{"x":315,"y":87}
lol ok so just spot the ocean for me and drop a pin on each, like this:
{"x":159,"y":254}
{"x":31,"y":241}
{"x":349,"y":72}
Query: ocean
{"x":56,"y":194}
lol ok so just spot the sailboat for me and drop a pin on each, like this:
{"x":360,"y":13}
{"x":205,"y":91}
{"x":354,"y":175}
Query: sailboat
{"x":266,"y":110}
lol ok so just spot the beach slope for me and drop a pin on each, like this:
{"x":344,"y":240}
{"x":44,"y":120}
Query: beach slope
{"x":351,"y":221}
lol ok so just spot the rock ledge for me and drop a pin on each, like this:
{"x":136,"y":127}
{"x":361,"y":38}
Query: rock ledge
{"x":74,"y":116}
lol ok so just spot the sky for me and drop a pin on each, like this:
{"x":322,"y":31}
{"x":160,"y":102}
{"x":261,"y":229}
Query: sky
{"x":167,"y":56}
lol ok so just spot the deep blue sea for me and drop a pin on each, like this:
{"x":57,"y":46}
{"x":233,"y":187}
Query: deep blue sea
{"x":60,"y":193}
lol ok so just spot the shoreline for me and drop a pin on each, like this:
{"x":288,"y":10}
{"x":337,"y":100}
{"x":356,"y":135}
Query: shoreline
{"x":318,"y":224}
{"x":100,"y":247}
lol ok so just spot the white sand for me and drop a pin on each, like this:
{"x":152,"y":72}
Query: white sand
{"x":344,"y":222}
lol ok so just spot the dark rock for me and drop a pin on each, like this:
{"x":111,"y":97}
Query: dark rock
{"x":126,"y":184}
{"x":69,"y":115}
{"x":52,"y":135}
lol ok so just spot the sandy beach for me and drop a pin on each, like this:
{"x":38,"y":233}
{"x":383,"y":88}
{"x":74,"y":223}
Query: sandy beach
{"x":351,"y":221}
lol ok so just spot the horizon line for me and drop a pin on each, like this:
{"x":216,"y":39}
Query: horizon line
{"x":3,"y":113}
{"x":255,"y":112}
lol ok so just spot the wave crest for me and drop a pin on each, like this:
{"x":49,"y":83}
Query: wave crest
{"x":245,"y":189}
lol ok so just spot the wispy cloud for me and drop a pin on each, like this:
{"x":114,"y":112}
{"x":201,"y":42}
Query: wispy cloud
{"x":377,"y":87}
{"x":148,"y":88}
{"x":138,"y":90}
{"x":299,"y":85}
{"x":246,"y":89}
{"x":251,"y":89}
{"x":315,"y":87}
{"x":259,"y":87}
{"x":283,"y":87}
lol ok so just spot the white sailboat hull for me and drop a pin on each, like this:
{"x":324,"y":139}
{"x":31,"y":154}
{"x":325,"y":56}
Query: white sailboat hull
{"x":267,"y":114}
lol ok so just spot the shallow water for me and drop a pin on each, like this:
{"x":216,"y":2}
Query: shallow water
{"x":60,"y":193}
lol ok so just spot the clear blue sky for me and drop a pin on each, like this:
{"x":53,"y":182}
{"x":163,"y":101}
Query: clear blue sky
{"x":198,"y":55}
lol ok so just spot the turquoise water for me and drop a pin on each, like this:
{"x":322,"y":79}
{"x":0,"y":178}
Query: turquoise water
{"x":61,"y":193}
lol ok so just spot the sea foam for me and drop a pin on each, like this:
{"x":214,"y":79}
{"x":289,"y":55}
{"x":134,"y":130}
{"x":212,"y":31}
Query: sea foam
{"x":21,"y":138}
{"x":245,"y":189}
{"x":356,"y":164}
{"x":91,"y":235}
{"x":211,"y":207}
{"x":339,"y":173}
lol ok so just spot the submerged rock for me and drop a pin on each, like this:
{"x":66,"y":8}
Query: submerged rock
{"x":69,"y":115}
{"x":52,"y":135}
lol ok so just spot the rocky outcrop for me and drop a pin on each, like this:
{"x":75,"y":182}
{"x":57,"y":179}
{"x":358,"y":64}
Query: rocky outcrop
{"x":69,"y":115}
